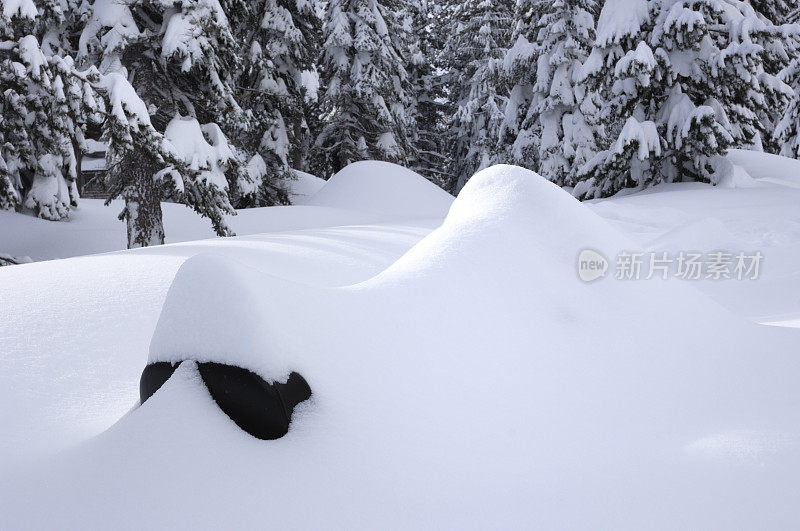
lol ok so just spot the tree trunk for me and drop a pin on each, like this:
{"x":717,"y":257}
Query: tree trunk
{"x":142,"y":196}
{"x":299,"y":150}
{"x":81,"y":181}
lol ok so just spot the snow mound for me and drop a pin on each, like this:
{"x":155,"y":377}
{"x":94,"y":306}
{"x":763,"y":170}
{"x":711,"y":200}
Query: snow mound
{"x":508,"y":231}
{"x":303,"y":187}
{"x":737,"y":177}
{"x":211,"y":313}
{"x":766,"y":167}
{"x":520,"y":215}
{"x":477,"y":380}
{"x":385,"y":188}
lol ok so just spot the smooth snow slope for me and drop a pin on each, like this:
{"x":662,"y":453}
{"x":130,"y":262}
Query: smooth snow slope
{"x":475,"y":382}
{"x":304,"y":186}
{"x":80,"y":328}
{"x":94,"y":228}
{"x":384,"y":188}
{"x":763,"y":214}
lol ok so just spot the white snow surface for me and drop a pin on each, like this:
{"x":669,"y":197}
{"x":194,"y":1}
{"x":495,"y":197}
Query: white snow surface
{"x":384,"y":188}
{"x":756,"y":209}
{"x":304,"y":186}
{"x":463,"y":376}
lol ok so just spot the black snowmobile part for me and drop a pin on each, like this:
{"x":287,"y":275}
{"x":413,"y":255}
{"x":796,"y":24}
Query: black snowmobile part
{"x":264,"y":410}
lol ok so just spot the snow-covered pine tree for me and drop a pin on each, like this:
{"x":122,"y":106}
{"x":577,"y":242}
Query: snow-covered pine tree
{"x":135,"y":155}
{"x":683,"y":80}
{"x":169,"y":61}
{"x":43,"y":111}
{"x":520,"y":145}
{"x":780,"y":42}
{"x":310,"y":160}
{"x":105,"y":28}
{"x":787,"y":131}
{"x":777,"y":11}
{"x":187,"y":164}
{"x":477,"y":39}
{"x":184,"y":62}
{"x":550,"y":132}
{"x":282,"y":39}
{"x":366,"y":91}
{"x":422,"y":50}
{"x":739,"y":55}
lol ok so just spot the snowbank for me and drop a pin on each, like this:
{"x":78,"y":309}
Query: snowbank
{"x":304,"y":186}
{"x":475,"y":382}
{"x":212,"y":314}
{"x":767,"y":167}
{"x":498,"y":214}
{"x":383,"y":187}
{"x":480,"y":341}
{"x":361,"y":194}
{"x":94,"y":228}
{"x":755,"y":209}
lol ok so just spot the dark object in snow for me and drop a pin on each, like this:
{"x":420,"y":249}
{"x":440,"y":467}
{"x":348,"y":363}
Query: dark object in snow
{"x":153,"y":377}
{"x":261,"y":409}
{"x":264,"y":410}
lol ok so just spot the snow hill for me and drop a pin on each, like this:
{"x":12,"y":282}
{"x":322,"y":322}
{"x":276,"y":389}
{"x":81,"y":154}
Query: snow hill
{"x":384,"y":188}
{"x":94,"y":228}
{"x":463,"y":376}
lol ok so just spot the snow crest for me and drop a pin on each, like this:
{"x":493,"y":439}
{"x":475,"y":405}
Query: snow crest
{"x":519,"y":214}
{"x":385,"y":188}
{"x":212,"y":313}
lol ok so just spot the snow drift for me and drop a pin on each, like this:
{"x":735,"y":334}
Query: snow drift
{"x":383,"y":187}
{"x":476,"y":382}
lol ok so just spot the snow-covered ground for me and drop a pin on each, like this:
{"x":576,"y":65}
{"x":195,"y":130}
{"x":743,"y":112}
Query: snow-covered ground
{"x":760,"y":212}
{"x":94,"y":228}
{"x":463,"y":375}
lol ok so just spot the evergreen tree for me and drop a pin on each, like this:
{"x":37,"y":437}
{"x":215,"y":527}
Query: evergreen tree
{"x":366,"y":87}
{"x":185,"y":164}
{"x":554,"y":135}
{"x":44,"y":111}
{"x":683,"y":80}
{"x":282,"y":39}
{"x":421,"y":21}
{"x":779,"y":43}
{"x":787,"y":131}
{"x":518,"y":143}
{"x":168,"y":60}
{"x":105,"y":29}
{"x":777,"y":11}
{"x":478,"y":36}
